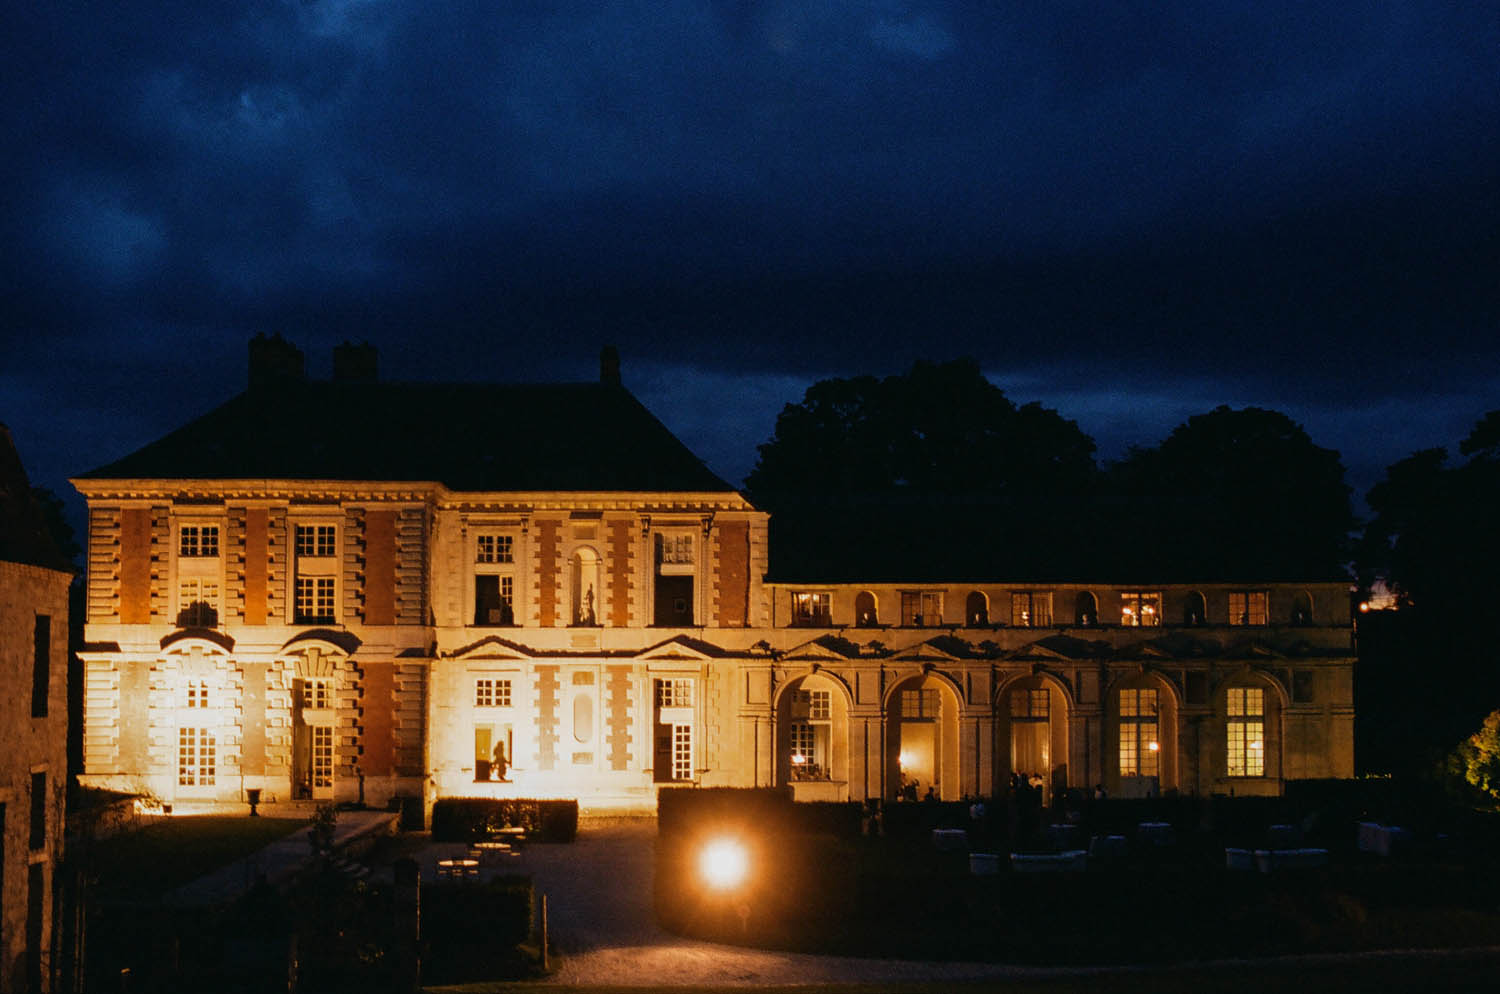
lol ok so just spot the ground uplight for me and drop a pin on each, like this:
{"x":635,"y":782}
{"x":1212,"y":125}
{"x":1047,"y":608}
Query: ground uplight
{"x":724,"y":863}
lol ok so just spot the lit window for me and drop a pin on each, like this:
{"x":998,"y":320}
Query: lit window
{"x":1029,"y":609}
{"x":315,"y":540}
{"x":195,"y":757}
{"x":494,"y":599}
{"x":812,"y":610}
{"x":1140,"y":609}
{"x":198,"y":540}
{"x":494,"y":549}
{"x":489,"y":693}
{"x":1248,"y":607}
{"x":322,"y":756}
{"x":809,"y":734}
{"x":674,"y":693}
{"x":1140,"y":750}
{"x":317,"y":694}
{"x":314,"y":599}
{"x":1246,"y":728}
{"x":921,"y":609}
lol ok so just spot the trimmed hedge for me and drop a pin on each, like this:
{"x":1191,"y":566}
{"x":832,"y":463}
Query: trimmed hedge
{"x":467,"y":819}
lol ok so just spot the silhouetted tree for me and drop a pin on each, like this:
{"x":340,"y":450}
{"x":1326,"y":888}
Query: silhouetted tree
{"x":932,"y":474}
{"x":1434,"y":540}
{"x":940,"y":428}
{"x":1239,"y":494}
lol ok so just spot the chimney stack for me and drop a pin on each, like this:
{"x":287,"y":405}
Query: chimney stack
{"x":609,"y":366}
{"x":355,"y":363}
{"x":274,"y":361}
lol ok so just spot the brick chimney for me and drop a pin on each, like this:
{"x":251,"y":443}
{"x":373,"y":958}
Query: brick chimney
{"x":609,"y":366}
{"x":356,"y":363}
{"x":274,"y":361}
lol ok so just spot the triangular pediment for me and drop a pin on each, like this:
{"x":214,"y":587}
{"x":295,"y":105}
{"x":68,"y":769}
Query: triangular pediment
{"x":681,"y":647}
{"x":1059,"y":647}
{"x":925,"y":651}
{"x":826,"y":647}
{"x":1256,"y":649}
{"x":493,"y":647}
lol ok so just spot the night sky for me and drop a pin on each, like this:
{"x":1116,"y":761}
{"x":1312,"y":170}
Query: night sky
{"x":1132,"y":212}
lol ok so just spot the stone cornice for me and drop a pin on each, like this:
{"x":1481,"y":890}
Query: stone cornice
{"x":349,"y":491}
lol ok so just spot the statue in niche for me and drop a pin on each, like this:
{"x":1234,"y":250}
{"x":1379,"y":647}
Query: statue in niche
{"x":586,"y":616}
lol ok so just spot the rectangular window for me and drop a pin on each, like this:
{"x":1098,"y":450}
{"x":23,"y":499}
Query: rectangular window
{"x":1139,"y":609}
{"x":494,"y":596}
{"x":1139,"y":749}
{"x":1029,"y":609}
{"x":322,"y":756}
{"x":195,"y":757}
{"x":921,"y":609}
{"x":315,"y":540}
{"x":494,"y":549}
{"x":490,"y":693}
{"x":814,"y":610}
{"x":316,"y":694}
{"x":674,"y":549}
{"x":41,"y":665}
{"x":314,"y":599}
{"x":39,"y":810}
{"x":1249,"y":607}
{"x":920,"y":704}
{"x":682,"y":752}
{"x":674,"y":693}
{"x":815,"y":704}
{"x":1246,"y":730}
{"x":195,"y":541}
{"x":1034,"y":704}
{"x":198,"y":603}
{"x":197,"y":694}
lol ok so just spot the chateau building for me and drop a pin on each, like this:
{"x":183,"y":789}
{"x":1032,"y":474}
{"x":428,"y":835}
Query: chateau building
{"x":34,"y":580}
{"x":356,"y":589}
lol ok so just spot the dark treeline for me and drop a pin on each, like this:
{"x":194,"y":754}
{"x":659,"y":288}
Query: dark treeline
{"x":936,"y":474}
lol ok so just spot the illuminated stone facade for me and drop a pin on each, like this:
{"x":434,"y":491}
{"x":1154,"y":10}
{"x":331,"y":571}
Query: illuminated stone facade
{"x":34,"y":584}
{"x":437,"y":632}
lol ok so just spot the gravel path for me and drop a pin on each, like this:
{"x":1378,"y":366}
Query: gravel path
{"x":599,"y":900}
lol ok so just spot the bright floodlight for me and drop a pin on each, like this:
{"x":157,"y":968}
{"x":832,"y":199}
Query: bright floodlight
{"x":724,"y":863}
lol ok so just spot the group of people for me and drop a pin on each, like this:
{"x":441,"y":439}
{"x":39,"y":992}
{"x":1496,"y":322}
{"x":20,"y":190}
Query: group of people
{"x":910,"y":790}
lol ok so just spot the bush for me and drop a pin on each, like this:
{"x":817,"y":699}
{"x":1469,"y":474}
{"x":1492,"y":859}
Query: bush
{"x":467,"y":819}
{"x":692,"y":811}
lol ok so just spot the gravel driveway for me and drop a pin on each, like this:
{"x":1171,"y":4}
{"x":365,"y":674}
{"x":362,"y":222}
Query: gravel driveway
{"x":599,"y":899}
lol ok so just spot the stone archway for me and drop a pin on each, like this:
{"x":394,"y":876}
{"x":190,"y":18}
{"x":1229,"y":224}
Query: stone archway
{"x":1032,"y":735}
{"x":812,"y":738}
{"x":922,"y":739}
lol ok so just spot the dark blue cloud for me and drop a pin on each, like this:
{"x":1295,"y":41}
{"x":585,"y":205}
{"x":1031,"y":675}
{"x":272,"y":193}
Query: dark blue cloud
{"x":1289,"y":204}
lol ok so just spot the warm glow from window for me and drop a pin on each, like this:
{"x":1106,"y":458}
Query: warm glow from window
{"x":903,"y":759}
{"x":724,"y":863}
{"x":1153,"y":746}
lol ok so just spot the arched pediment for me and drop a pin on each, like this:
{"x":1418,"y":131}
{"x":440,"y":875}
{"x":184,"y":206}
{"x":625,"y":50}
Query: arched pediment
{"x":326,"y":639}
{"x":205,"y":641}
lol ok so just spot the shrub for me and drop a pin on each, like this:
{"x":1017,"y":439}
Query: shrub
{"x":466,"y":819}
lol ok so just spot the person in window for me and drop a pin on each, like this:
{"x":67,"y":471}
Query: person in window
{"x":501,"y":764}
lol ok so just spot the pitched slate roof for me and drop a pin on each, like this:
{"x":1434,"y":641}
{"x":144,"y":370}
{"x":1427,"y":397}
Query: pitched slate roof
{"x":471,"y":437}
{"x":24,"y":537}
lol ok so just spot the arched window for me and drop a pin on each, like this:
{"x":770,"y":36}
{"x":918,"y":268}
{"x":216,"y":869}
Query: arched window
{"x":1302,"y":611}
{"x":1086,"y":609}
{"x":1194,"y":609}
{"x":585,"y":584}
{"x":976,"y":609}
{"x":866,"y":615}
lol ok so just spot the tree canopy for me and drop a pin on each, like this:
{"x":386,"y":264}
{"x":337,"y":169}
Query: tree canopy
{"x":1242,"y":493}
{"x":940,"y":428}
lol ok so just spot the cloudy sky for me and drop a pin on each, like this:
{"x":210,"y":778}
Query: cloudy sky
{"x":1130,"y":211}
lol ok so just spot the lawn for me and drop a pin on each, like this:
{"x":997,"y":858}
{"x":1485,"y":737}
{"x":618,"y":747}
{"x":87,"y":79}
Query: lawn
{"x":146,"y":863}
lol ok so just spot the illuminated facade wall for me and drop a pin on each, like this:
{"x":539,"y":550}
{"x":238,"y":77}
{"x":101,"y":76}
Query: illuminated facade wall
{"x":323,"y":641}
